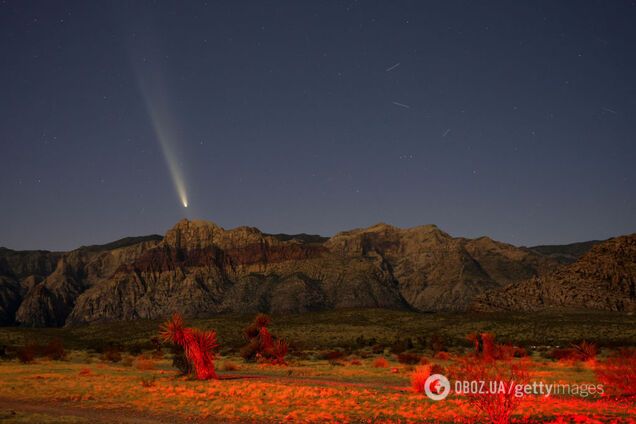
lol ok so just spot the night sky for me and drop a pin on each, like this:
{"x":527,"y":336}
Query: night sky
{"x":511,"y":119}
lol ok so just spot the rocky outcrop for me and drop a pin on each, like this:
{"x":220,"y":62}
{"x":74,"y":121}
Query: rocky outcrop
{"x":49,"y":302}
{"x":199,"y":269}
{"x":602,"y":279}
{"x":566,"y":253}
{"x":436,"y":271}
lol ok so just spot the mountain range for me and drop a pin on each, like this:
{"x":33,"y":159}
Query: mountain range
{"x":201,"y":269}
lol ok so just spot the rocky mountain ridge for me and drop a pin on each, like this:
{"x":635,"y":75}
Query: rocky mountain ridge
{"x":199,"y":269}
{"x":604,"y":278}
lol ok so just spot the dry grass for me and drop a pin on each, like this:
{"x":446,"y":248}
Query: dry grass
{"x":305,"y":391}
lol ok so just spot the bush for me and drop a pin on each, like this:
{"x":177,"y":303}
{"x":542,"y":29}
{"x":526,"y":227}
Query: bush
{"x":261,"y":344}
{"x":377,"y":348}
{"x":380,"y":362}
{"x":198,"y":346}
{"x":54,"y":350}
{"x":438,"y":343}
{"x":618,"y":373}
{"x":26,"y":354}
{"x":112,"y":354}
{"x":401,"y":345}
{"x":408,"y":358}
{"x":419,"y":376}
{"x":442,"y":356}
{"x":355,"y":362}
{"x":497,"y":407}
{"x":583,"y":351}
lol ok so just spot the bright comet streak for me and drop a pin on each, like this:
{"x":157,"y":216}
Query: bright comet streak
{"x":153,"y":89}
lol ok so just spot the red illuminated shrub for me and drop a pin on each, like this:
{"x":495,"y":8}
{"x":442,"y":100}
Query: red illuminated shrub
{"x":486,"y":349}
{"x":419,"y":376}
{"x":380,"y":362}
{"x":261,"y":345}
{"x":501,"y":400}
{"x":280,"y":352}
{"x":618,"y":373}
{"x":198,"y":346}
{"x":442,"y":356}
{"x":583,"y":351}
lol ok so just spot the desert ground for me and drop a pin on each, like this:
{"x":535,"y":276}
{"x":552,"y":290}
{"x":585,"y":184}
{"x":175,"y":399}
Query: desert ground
{"x":342,"y":366}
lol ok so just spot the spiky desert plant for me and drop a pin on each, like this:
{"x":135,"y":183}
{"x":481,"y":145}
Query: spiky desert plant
{"x":198,"y":346}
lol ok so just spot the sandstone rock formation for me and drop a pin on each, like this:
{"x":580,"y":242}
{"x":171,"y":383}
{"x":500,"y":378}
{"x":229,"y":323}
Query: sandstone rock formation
{"x":603,"y":279}
{"x":200,"y":269}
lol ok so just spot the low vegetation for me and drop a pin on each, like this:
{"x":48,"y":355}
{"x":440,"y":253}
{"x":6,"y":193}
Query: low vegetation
{"x":194,"y":374}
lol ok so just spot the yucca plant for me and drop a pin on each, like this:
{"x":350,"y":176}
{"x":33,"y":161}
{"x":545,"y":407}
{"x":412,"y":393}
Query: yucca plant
{"x":198,"y":345}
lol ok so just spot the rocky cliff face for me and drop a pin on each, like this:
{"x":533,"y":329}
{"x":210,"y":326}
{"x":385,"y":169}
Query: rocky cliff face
{"x":200,"y":269}
{"x":41,"y":289}
{"x":604,"y":279}
{"x":19,"y":272}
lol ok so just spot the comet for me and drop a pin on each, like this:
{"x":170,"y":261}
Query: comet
{"x":153,"y":89}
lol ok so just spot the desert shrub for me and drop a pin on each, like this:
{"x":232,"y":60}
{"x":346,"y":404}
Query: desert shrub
{"x":618,"y":373}
{"x":198,"y":346}
{"x":145,"y":364}
{"x":437,"y":369}
{"x":437,"y":343}
{"x":135,"y":349}
{"x":261,"y":345}
{"x":279,"y":352}
{"x":355,"y":361}
{"x":408,"y":358}
{"x":419,"y":376}
{"x":54,"y":350}
{"x":111,"y":354}
{"x":380,"y":362}
{"x":587,"y":350}
{"x":582,"y":351}
{"x":401,"y":345}
{"x":486,"y":349}
{"x":377,"y":348}
{"x":499,"y":406}
{"x":26,"y":353}
{"x":442,"y":356}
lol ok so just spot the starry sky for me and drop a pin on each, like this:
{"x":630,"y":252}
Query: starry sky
{"x":512,"y":119}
